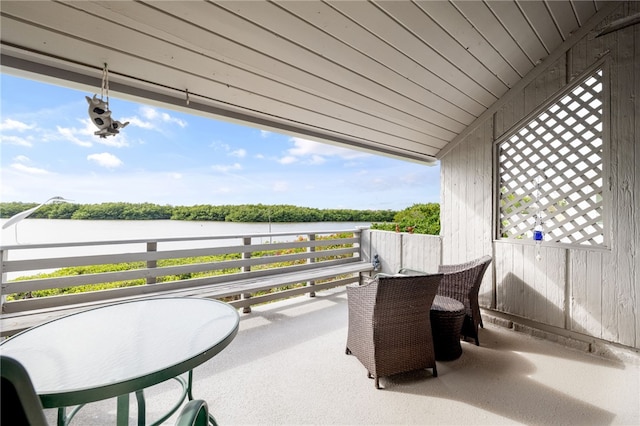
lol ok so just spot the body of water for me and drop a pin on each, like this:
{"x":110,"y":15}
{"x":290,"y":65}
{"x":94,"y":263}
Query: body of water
{"x":34,"y":231}
{"x":39,"y":231}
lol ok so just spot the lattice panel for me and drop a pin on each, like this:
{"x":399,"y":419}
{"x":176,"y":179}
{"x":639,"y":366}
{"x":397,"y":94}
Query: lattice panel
{"x":553,"y":167}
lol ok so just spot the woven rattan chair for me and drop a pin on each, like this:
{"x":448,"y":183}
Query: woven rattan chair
{"x":389,"y":324}
{"x":462,"y":282}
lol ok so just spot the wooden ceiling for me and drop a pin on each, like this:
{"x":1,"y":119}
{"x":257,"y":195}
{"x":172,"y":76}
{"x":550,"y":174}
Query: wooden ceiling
{"x":401,"y":78}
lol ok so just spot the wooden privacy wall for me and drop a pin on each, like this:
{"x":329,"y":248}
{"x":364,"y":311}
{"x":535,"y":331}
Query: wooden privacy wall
{"x":591,"y":291}
{"x":398,"y":250}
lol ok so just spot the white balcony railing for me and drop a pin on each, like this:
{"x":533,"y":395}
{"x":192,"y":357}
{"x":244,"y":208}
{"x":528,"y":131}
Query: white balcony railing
{"x":123,"y":269}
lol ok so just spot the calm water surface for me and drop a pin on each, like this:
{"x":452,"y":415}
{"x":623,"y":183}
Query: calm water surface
{"x":32,"y":231}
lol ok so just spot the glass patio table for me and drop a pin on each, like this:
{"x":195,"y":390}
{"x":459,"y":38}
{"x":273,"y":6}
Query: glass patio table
{"x":115,"y":350}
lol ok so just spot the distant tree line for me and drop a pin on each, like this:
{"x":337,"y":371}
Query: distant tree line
{"x":419,"y":218}
{"x":223,"y":213}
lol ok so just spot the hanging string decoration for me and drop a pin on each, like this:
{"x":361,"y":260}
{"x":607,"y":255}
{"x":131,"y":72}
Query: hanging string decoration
{"x":99,"y":112}
{"x":538,"y":229}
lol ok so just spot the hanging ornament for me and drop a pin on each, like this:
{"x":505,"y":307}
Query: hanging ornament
{"x":538,"y":230}
{"x":99,"y":112}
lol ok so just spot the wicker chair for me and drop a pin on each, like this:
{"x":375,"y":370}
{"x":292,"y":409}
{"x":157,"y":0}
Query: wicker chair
{"x":389,"y":324}
{"x":462,"y":282}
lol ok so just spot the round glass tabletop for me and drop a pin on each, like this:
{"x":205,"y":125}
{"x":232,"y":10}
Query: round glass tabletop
{"x":117,"y":349}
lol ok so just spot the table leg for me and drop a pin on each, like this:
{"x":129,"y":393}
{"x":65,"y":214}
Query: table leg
{"x":62,"y":416}
{"x":142,"y":409}
{"x":190,"y":386}
{"x":212,"y":420}
{"x":123,"y":410}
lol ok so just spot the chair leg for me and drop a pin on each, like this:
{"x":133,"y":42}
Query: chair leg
{"x":377,"y":380}
{"x":348,"y":351}
{"x":435,"y":371}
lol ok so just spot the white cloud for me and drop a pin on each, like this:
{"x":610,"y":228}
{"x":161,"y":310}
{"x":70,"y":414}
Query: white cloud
{"x":317,"y":159}
{"x":169,"y":119}
{"x":26,"y":169}
{"x":106,"y":159}
{"x":14,"y":140}
{"x":69,"y":134}
{"x":226,"y":167}
{"x":10,"y":124}
{"x":220,"y":146}
{"x":265,"y":133}
{"x":175,"y":175}
{"x":85,"y":136}
{"x":21,"y":159}
{"x":240,"y":153}
{"x":136,"y":122}
{"x":305,"y":148}
{"x":154,"y":115}
{"x":289,"y":159}
{"x":315,"y":153}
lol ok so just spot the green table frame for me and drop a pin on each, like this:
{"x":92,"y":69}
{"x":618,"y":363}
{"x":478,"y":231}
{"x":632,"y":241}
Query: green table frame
{"x":116,"y":350}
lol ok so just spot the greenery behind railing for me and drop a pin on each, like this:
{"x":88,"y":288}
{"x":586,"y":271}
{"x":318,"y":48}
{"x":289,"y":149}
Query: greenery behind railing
{"x":96,"y":269}
{"x":246,"y":213}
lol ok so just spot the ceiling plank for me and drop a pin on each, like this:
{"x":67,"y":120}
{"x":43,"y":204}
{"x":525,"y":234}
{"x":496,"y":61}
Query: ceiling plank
{"x":373,"y":80}
{"x":583,"y":9}
{"x":349,"y":32}
{"x":459,"y":28}
{"x":379,"y":23}
{"x":564,"y":17}
{"x":481,"y":17}
{"x":432,"y":35}
{"x":540,"y":18}
{"x":163,"y":25}
{"x":519,"y":28}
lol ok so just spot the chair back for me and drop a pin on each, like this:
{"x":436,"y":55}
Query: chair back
{"x":462,"y":281}
{"x":408,"y":294}
{"x":20,"y":403}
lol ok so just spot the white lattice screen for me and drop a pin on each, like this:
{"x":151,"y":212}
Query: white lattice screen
{"x":552,"y":166}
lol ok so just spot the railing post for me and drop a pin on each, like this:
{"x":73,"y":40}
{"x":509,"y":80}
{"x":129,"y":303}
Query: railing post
{"x":152,"y":247}
{"x":246,"y":255}
{"x":310,"y":259}
{"x":358,"y":233}
{"x":4,"y":255}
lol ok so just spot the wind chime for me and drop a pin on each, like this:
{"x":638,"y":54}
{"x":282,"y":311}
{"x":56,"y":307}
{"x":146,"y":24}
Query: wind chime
{"x":538,"y":230}
{"x":99,"y":112}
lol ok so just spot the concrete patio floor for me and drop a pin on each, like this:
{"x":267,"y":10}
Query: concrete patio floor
{"x":287,"y":365}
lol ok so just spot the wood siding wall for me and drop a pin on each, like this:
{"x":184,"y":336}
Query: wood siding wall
{"x":398,"y":250}
{"x":595,"y":292}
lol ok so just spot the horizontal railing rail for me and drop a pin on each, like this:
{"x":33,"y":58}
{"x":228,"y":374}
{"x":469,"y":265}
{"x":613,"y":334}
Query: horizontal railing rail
{"x":158,"y":265}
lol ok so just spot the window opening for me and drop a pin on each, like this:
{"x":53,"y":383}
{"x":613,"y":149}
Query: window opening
{"x":552,"y":166}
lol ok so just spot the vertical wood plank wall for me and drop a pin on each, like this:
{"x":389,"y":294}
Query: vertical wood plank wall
{"x":595,"y":292}
{"x":398,"y":250}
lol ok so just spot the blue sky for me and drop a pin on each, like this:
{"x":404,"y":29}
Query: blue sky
{"x":166,"y":157}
